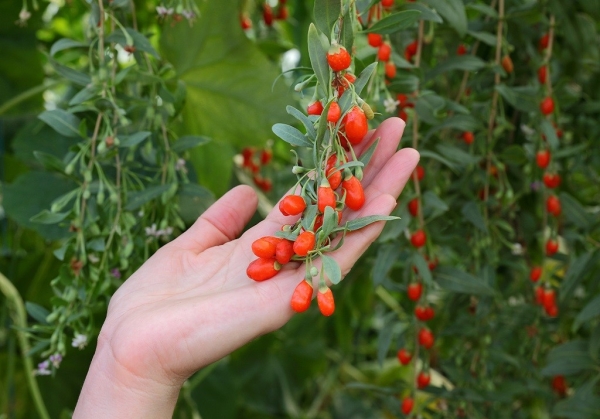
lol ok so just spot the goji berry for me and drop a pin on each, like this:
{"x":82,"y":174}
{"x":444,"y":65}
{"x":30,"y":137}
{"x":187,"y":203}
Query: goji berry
{"x":267,"y":14}
{"x":325,"y":198}
{"x":338,"y":58}
{"x":264,"y":247}
{"x":544,"y":41}
{"x":507,"y":64}
{"x":542,"y":74}
{"x":551,"y":311}
{"x":374,"y":39}
{"x":302,"y":296}
{"x":412,"y":48}
{"x":420,"y":172}
{"x":384,"y":52}
{"x":245,"y":22}
{"x":549,"y":298}
{"x":326,"y":302}
{"x":423,"y":379}
{"x":284,"y":251}
{"x":414,"y":291}
{"x":262,"y":269}
{"x":387,"y":3}
{"x":553,"y":205}
{"x":551,"y":180}
{"x":304,"y":243}
{"x":547,"y":106}
{"x":355,"y":195}
{"x":334,"y":112}
{"x":535,"y":274}
{"x":426,"y":338}
{"x":542,"y":158}
{"x":334,"y":176}
{"x":413,"y":207}
{"x":539,"y":295}
{"x":559,"y":385}
{"x":404,"y":356}
{"x":390,"y":70}
{"x":424,"y":313}
{"x":468,"y":137}
{"x":266,"y":156}
{"x":292,"y":205}
{"x":418,"y":238}
{"x":407,"y":405}
{"x":283,"y":13}
{"x":356,"y":126}
{"x":551,"y":247}
{"x":315,"y":108}
{"x":461,"y":50}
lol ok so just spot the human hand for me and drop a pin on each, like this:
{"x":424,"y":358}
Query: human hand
{"x":191,"y":303}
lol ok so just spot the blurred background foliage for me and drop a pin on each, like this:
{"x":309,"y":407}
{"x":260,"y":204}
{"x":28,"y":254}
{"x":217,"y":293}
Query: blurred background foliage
{"x":495,"y":353}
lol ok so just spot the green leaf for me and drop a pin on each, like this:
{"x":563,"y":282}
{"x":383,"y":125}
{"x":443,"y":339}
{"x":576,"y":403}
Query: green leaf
{"x":291,"y":135}
{"x":405,"y":82}
{"x":384,"y":339}
{"x":386,"y":256}
{"x":436,"y":156}
{"x":310,"y":129}
{"x":485,"y":9}
{"x":140,"y":42}
{"x":213,"y":158}
{"x":78,"y":77}
{"x":332,"y":269}
{"x":485,"y":37}
{"x":514,"y":154}
{"x":365,"y":157}
{"x":308,"y":216}
{"x":49,"y":161}
{"x":395,"y":22}
{"x":127,"y":141}
{"x":188,"y":141}
{"x":426,"y":12}
{"x":453,"y":12}
{"x":84,"y":95}
{"x":347,"y":38}
{"x":577,"y":270}
{"x":318,"y":57}
{"x":457,"y":62}
{"x":423,"y":267}
{"x":550,"y":132}
{"x":575,"y":212}
{"x":568,"y":359}
{"x":361,"y":222}
{"x":47,"y":217}
{"x":330,"y":221}
{"x":459,"y":122}
{"x":460,"y":157}
{"x":361,"y":81}
{"x":456,"y":280}
{"x":98,"y":244}
{"x":473,"y":215}
{"x":63,"y":122}
{"x":136,"y":199}
{"x":431,"y":202}
{"x":37,"y":312}
{"x":522,"y":98}
{"x":583,"y":404}
{"x":591,"y":310}
{"x":66,"y":43}
{"x":325,"y":13}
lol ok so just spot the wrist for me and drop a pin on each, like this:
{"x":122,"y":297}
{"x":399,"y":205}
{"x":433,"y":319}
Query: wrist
{"x":112,"y":391}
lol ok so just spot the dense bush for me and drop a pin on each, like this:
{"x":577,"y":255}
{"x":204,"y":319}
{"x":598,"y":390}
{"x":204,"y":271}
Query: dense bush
{"x":122,"y":121}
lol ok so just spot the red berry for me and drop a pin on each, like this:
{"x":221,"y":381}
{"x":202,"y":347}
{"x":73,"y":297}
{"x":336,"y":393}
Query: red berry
{"x":264,"y":184}
{"x":266,"y":156}
{"x":424,"y":313}
{"x":414,"y":291}
{"x":420,"y":172}
{"x":245,"y":22}
{"x":551,"y":311}
{"x":355,"y":195}
{"x":334,"y":112}
{"x":356,"y":125}
{"x":542,"y":74}
{"x":549,"y":298}
{"x":404,"y":356}
{"x":412,"y":47}
{"x":284,"y":251}
{"x":387,"y":3}
{"x":461,"y":50}
{"x":262,"y":269}
{"x":418,"y":238}
{"x":544,"y":41}
{"x":326,"y":302}
{"x":547,"y":106}
{"x":403,"y":115}
{"x":551,"y":247}
{"x":292,"y":205}
{"x":507,"y":64}
{"x":390,"y":70}
{"x":283,"y":13}
{"x":559,"y":385}
{"x":413,"y":207}
{"x":374,"y":39}
{"x":553,"y":205}
{"x":423,"y":379}
{"x":542,"y":158}
{"x":535,"y":274}
{"x":539,"y":295}
{"x":552,"y":180}
{"x":407,"y":405}
{"x":333,"y":176}
{"x":315,"y":108}
{"x":267,"y":14}
{"x":325,"y":198}
{"x":426,"y":338}
{"x":384,"y":52}
{"x":302,"y":296}
{"x":304,"y":243}
{"x":468,"y":137}
{"x":338,"y":58}
{"x":265,"y":247}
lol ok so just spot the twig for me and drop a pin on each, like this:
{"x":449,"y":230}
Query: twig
{"x":415,"y":131}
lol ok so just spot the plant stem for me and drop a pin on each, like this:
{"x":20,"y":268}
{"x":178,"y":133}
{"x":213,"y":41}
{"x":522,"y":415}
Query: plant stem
{"x":415,"y":127}
{"x":549,"y":55}
{"x":20,"y":319}
{"x":22,"y":97}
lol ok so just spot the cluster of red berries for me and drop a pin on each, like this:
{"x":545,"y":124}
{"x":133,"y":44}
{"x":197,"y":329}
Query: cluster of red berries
{"x":403,"y":103}
{"x":269,"y":15}
{"x":253,"y":160}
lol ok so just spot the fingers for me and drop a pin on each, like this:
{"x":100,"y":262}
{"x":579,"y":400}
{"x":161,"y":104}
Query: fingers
{"x":220,"y":223}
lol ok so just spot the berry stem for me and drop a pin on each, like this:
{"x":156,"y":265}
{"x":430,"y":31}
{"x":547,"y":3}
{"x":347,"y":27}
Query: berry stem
{"x":415,"y":127}
{"x":549,"y":55}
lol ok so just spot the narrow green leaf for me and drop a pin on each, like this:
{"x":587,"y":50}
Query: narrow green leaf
{"x":433,"y":202}
{"x":485,"y":37}
{"x":426,"y":12}
{"x":291,"y":135}
{"x":98,"y":244}
{"x":65,"y":43}
{"x":330,"y":221}
{"x":47,"y":217}
{"x":458,"y":62}
{"x":49,"y":161}
{"x":299,"y":115}
{"x":459,"y":281}
{"x":513,"y":154}
{"x":85,"y":94}
{"x":365,"y":157}
{"x":485,"y":9}
{"x":574,"y":275}
{"x":332,"y":269}
{"x":137,"y":199}
{"x":188,"y":141}
{"x":436,"y":156}
{"x":361,"y":222}
{"x":308,"y":216}
{"x":133,"y":139}
{"x":347,"y":39}
{"x":453,"y":12}
{"x":326,"y":12}
{"x":460,"y":157}
{"x":550,"y":132}
{"x":422,"y":267}
{"x":363,"y":78}
{"x":318,"y":57}
{"x":522,"y":98}
{"x":36,"y":311}
{"x":591,"y":310}
{"x":386,"y":256}
{"x":473,"y":215}
{"x":395,"y":22}
{"x":569,"y":358}
{"x":575,"y":212}
{"x":78,"y":77}
{"x":61,"y":121}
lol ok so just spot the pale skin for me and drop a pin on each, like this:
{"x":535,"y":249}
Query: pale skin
{"x":191,"y":303}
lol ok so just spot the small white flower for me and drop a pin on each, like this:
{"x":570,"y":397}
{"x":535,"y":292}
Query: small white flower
{"x":517,"y":249}
{"x":188,"y":14}
{"x":390,"y":105}
{"x":527,"y":130}
{"x":42,"y":368}
{"x":79,"y":341}
{"x":180,"y":166}
{"x":24,"y":16}
{"x":163,"y":11}
{"x":151,"y":231}
{"x":56,"y":359}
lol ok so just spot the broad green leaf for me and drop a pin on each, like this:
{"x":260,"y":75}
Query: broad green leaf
{"x":332,"y":269}
{"x":458,"y":62}
{"x":139,"y":198}
{"x":187,"y":142}
{"x":49,"y":161}
{"x":395,"y":22}
{"x":133,"y":139}
{"x":78,"y":77}
{"x":569,"y":358}
{"x":426,"y":12}
{"x":405,"y":82}
{"x":97,"y":245}
{"x":36,"y":311}
{"x":310,"y":129}
{"x":318,"y":57}
{"x":591,"y":310}
{"x":432,"y":202}
{"x":325,"y":13}
{"x":229,"y":82}
{"x":577,"y":270}
{"x":456,"y":280}
{"x":453,"y":12}
{"x":575,"y":212}
{"x":291,"y":135}
{"x":361,"y":222}
{"x":472,"y":213}
{"x":84,"y":95}
{"x":583,"y":404}
{"x":63,"y":122}
{"x":330,"y":221}
{"x":308,"y":216}
{"x":66,"y":43}
{"x":522,"y":98}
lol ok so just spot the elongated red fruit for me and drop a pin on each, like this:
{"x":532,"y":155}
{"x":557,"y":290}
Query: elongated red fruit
{"x":325,"y":198}
{"x":355,"y":195}
{"x":304,"y":243}
{"x":292,"y":205}
{"x":284,"y":251}
{"x":326,"y":302}
{"x":404,"y":356}
{"x":301,"y":298}
{"x":264,"y":248}
{"x":262,"y":269}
